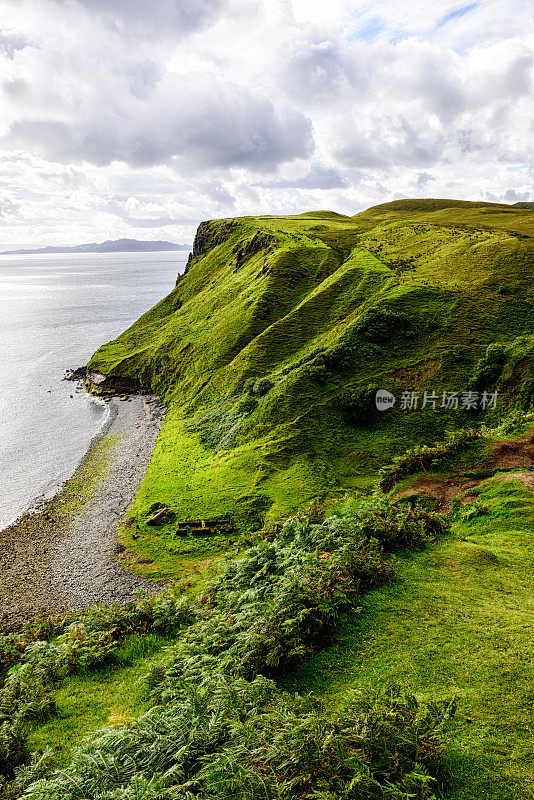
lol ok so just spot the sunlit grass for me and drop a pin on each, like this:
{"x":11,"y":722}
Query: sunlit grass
{"x":459,"y":621}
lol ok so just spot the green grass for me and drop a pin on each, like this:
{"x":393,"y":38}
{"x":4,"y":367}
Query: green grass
{"x":90,"y":699}
{"x":458,"y":621}
{"x":461,"y":273}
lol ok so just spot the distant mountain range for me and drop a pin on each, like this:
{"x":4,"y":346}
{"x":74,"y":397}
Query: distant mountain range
{"x":116,"y":246}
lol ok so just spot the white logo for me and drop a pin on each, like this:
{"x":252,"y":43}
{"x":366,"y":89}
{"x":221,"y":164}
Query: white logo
{"x":384,"y":400}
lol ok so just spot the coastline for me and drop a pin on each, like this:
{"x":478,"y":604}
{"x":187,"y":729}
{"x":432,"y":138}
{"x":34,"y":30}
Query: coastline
{"x":61,"y":554}
{"x":55,"y":487}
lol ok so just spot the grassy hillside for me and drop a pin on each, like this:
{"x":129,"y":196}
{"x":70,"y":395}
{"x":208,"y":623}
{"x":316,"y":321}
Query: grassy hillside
{"x":457,"y":622}
{"x":269,"y":349}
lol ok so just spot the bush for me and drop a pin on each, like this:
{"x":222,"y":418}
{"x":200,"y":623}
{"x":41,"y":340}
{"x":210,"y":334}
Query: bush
{"x":13,"y":750}
{"x":227,"y":738}
{"x":359,"y":407}
{"x":339,"y":357}
{"x":10,"y":650}
{"x":424,"y":457}
{"x":489,"y":368}
{"x":220,"y":425}
{"x":327,"y":362}
{"x":261,"y":387}
{"x":303,"y":360}
{"x":247,"y":405}
{"x":381,"y":324}
{"x":456,"y":355}
{"x":474,"y":510}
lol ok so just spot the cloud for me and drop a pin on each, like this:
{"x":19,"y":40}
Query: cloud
{"x":123,"y":115}
{"x":212,"y":124}
{"x":7,"y":210}
{"x":10,"y":43}
{"x":511,"y":196}
{"x":147,"y":18}
{"x":318,"y":176}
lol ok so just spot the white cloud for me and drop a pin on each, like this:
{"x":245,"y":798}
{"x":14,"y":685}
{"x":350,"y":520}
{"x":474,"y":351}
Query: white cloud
{"x":119,"y":117}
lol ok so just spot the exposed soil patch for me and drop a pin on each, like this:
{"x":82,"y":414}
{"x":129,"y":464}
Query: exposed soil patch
{"x":526,"y":478}
{"x":419,"y":375}
{"x":504,"y":455}
{"x":514,"y":453}
{"x":444,"y":492}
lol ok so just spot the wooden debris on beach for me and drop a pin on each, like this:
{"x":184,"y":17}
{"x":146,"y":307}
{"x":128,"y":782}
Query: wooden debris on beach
{"x":204,"y":527}
{"x":158,"y":518}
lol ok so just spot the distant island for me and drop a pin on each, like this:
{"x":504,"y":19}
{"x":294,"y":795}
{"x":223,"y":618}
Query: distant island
{"x":116,"y":246}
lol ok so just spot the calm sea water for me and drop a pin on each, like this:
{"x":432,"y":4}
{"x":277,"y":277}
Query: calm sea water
{"x":55,"y":311}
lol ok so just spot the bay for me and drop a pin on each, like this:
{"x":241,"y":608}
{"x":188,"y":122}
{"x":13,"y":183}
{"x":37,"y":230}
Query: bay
{"x":55,"y":311}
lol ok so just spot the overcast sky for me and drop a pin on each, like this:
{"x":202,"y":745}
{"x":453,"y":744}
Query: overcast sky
{"x":140,"y":118}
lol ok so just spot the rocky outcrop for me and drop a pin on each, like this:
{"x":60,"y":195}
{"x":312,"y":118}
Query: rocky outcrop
{"x":186,"y":270}
{"x":209,"y":234}
{"x":261,"y":240}
{"x":77,"y":374}
{"x":112,"y":384}
{"x":212,"y":233}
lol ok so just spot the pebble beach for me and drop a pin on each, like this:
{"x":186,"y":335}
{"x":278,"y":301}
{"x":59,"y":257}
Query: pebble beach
{"x":63,"y":554}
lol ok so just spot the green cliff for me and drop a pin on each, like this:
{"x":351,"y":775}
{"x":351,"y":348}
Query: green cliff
{"x":270,"y":348}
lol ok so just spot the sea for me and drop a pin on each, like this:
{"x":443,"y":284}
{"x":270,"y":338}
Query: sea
{"x":55,"y":311}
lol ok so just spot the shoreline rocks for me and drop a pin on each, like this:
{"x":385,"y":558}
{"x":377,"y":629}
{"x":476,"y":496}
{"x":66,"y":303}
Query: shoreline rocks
{"x":63,"y":555}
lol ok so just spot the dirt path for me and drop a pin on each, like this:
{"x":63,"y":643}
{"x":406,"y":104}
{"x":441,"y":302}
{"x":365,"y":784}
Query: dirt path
{"x":65,"y":555}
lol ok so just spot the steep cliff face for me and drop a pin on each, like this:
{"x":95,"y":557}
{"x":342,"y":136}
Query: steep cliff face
{"x":270,"y":348}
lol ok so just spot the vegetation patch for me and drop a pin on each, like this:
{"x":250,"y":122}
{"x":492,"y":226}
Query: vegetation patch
{"x":216,"y":700}
{"x":457,"y":622}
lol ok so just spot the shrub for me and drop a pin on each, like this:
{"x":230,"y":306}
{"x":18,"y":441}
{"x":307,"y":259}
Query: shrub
{"x":339,"y":357}
{"x":489,"y":368}
{"x":318,"y":372}
{"x":219,"y":426}
{"x":246,"y":405}
{"x":261,"y":387}
{"x":13,"y":749}
{"x":228,"y":738}
{"x":474,"y":510}
{"x":10,"y":649}
{"x":424,"y":457}
{"x":381,"y":324}
{"x":327,"y":362}
{"x":456,"y":355}
{"x":303,"y":360}
{"x":359,"y":407}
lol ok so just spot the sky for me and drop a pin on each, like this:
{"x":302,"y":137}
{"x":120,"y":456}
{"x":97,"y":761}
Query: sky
{"x":140,"y":118}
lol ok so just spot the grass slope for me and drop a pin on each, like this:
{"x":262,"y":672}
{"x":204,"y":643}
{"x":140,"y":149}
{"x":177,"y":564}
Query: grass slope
{"x":270,"y":335}
{"x":459,"y":622}
{"x":111,"y":695}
